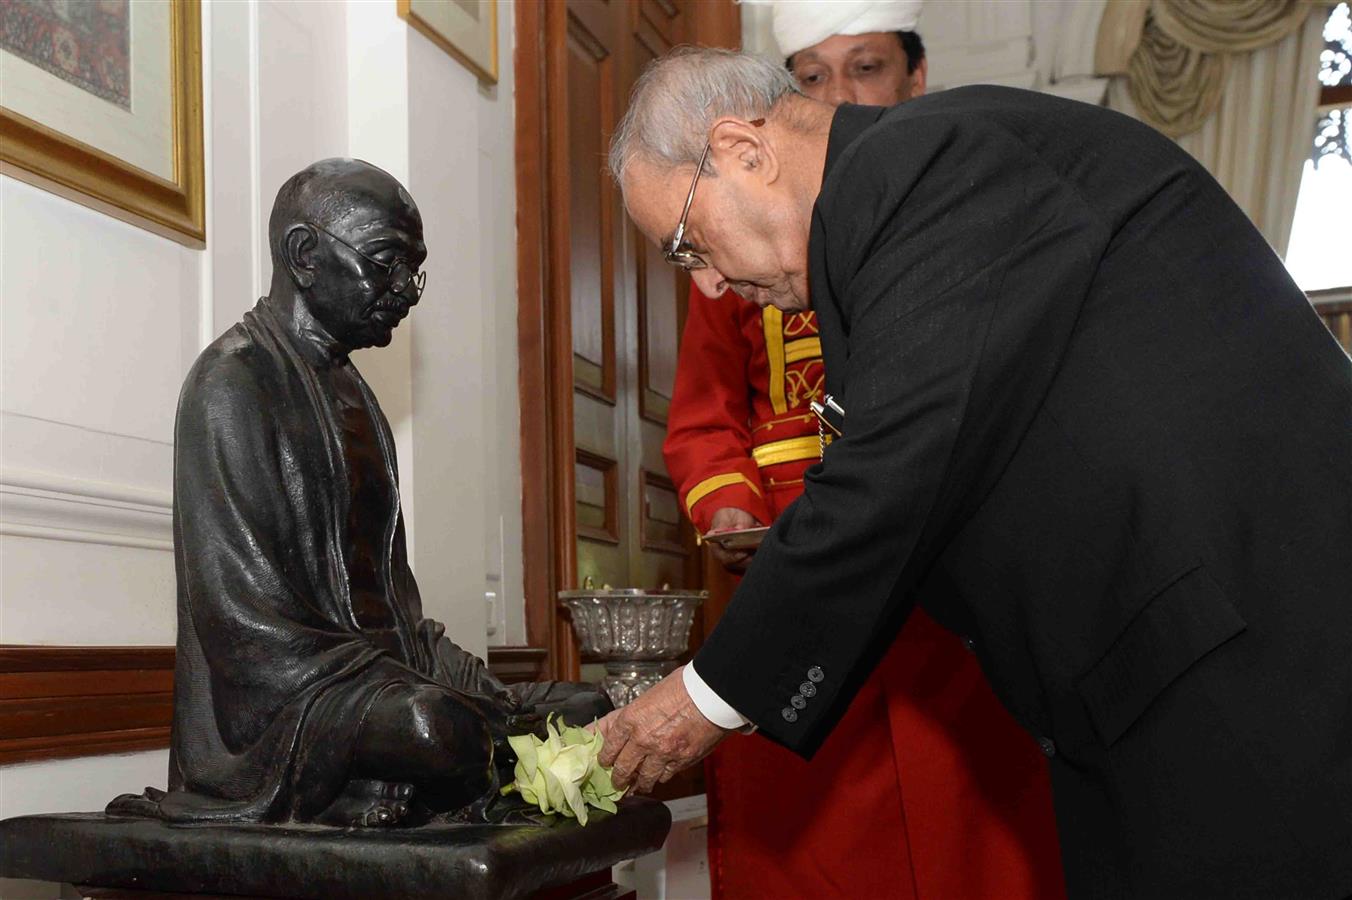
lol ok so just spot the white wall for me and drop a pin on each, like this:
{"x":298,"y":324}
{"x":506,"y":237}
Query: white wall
{"x":100,"y":322}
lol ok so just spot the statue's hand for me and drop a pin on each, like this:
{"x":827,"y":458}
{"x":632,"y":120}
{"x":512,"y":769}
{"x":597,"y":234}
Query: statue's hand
{"x":526,"y":723}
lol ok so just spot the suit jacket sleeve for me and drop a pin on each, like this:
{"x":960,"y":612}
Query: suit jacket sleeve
{"x":958,"y":261}
{"x":708,"y":445}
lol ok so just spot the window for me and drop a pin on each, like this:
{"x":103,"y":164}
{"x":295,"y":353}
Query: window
{"x":1317,"y":255}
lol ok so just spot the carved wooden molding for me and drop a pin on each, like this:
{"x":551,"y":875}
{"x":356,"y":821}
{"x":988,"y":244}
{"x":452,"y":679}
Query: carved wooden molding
{"x":59,"y":702}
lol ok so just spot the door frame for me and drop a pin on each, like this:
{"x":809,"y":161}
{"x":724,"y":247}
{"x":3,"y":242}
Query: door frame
{"x":544,"y":327}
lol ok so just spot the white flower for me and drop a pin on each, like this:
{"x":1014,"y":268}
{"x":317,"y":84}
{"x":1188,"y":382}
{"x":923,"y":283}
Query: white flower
{"x":561,"y":774}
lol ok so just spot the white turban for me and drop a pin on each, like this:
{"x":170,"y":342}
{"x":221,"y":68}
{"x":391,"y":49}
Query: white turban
{"x":799,"y":24}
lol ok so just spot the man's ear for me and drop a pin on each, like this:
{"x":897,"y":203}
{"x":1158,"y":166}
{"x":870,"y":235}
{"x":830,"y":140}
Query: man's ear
{"x":919,"y":78}
{"x":298,"y":246}
{"x":736,"y":145}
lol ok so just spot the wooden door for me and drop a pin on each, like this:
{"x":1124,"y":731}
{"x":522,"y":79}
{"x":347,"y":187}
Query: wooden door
{"x":601,"y":312}
{"x":625,"y":313}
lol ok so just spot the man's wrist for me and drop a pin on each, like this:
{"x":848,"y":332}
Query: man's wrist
{"x":711,"y":706}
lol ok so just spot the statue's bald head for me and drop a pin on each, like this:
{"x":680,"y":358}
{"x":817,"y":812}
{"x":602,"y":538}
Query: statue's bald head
{"x":347,"y":243}
{"x":339,"y":195}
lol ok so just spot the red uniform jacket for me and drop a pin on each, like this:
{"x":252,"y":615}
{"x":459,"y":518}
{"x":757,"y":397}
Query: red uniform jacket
{"x":926,"y":789}
{"x":740,"y":432}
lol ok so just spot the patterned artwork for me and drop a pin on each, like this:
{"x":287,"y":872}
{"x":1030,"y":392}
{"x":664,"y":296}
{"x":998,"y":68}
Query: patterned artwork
{"x":86,"y":43}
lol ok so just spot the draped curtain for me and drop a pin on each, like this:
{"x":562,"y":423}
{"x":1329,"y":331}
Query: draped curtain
{"x":1234,"y":82}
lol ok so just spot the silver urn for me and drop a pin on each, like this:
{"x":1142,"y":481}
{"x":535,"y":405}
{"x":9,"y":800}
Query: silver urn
{"x":637,"y":634}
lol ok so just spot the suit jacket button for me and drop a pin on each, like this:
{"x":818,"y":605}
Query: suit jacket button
{"x":970,"y":643}
{"x":789,"y":713}
{"x":1048,"y":746}
{"x":816,"y":675}
{"x":797,"y":701}
{"x":807,"y":689}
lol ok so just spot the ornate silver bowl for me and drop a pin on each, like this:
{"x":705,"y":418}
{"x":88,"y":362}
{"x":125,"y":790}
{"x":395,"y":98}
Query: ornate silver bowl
{"x":637,"y":634}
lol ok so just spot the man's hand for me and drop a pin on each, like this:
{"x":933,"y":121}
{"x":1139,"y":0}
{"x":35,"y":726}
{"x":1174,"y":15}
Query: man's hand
{"x":729,"y":518}
{"x":656,"y":736}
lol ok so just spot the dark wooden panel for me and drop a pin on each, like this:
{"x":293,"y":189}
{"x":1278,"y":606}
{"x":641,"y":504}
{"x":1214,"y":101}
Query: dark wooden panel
{"x":32,"y":658}
{"x":659,"y":288}
{"x":94,"y":743}
{"x":83,"y":701}
{"x":18,"y":685}
{"x":664,"y":17}
{"x":660,"y":523}
{"x":513,"y":664}
{"x":597,"y":506}
{"x":591,"y":83}
{"x":68,"y":716}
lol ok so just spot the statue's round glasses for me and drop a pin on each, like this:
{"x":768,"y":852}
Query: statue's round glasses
{"x":678,"y":251}
{"x":399,"y":273}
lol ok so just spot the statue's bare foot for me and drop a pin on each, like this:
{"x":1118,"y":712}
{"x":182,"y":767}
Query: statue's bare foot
{"x":370,"y":804}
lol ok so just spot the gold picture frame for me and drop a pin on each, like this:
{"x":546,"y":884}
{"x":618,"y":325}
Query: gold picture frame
{"x":53,"y":161}
{"x":471,"y":39}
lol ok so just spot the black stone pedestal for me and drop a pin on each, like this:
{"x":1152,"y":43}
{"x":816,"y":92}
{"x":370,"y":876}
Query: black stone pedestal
{"x":316,"y":863}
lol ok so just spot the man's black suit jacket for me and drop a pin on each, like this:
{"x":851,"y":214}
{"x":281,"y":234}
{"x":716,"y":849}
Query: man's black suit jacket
{"x":1091,"y":422}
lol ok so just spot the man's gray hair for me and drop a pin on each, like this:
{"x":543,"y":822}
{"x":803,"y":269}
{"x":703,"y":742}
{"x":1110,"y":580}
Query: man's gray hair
{"x":678,"y":98}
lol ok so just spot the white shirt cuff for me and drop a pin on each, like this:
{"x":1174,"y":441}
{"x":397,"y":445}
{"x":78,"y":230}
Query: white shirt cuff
{"x":710,"y":705}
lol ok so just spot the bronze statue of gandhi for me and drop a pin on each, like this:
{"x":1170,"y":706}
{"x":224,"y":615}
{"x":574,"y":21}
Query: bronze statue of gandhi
{"x":308,"y":685}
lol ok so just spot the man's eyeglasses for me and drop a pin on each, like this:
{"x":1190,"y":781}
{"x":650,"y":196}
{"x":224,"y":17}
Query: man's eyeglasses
{"x":677,"y":251}
{"x":399,"y":273}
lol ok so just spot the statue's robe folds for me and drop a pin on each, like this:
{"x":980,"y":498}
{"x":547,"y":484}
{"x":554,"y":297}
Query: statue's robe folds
{"x":277,"y":666}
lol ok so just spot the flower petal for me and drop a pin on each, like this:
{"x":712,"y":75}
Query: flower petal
{"x":575,"y":802}
{"x":571,"y":765}
{"x":524,"y":746}
{"x":554,"y":792}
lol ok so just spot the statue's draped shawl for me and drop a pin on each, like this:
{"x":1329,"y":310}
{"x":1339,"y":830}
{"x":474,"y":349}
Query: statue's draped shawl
{"x":274,"y":674}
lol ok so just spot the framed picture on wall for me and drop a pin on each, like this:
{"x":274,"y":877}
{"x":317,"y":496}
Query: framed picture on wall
{"x":101,"y":102}
{"x":466,"y":29}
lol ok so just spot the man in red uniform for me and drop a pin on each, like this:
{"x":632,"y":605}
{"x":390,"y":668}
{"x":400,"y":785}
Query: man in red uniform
{"x":927,"y":785}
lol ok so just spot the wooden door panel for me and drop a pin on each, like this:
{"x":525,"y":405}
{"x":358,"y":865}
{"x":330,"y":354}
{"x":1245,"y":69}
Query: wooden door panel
{"x":597,"y":497}
{"x":661,"y":308}
{"x":591,"y":86}
{"x":660,"y":522}
{"x":601,"y":554}
{"x":598,"y":79}
{"x":664,"y":552}
{"x":663,"y":16}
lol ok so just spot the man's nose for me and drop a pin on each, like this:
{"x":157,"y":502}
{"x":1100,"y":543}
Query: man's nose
{"x":841,"y":90}
{"x":709,"y":280}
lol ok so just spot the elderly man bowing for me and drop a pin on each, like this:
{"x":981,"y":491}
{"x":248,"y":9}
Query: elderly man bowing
{"x":1085,"y":412}
{"x":965,"y":809}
